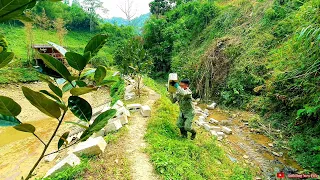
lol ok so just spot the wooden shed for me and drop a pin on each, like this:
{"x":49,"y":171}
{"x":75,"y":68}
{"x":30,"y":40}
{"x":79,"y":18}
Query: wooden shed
{"x":51,"y":49}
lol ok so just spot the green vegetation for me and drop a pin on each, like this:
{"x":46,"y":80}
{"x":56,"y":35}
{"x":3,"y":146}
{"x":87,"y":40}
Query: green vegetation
{"x":117,"y":91}
{"x":177,"y":158}
{"x":261,"y":56}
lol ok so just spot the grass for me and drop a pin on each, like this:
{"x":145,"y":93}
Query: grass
{"x":176,"y":158}
{"x":15,"y":75}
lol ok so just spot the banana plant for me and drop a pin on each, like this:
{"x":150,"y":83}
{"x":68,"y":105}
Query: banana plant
{"x":52,"y":104}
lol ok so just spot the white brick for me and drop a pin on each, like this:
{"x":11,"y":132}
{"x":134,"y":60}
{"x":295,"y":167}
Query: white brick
{"x":50,"y":157}
{"x":113,"y":125}
{"x":134,"y":107}
{"x":123,"y":111}
{"x":70,"y":161}
{"x":212,"y":106}
{"x":206,"y":111}
{"x":202,"y":118}
{"x":215,"y":128}
{"x":129,"y":88}
{"x":213,"y":121}
{"x":145,"y":111}
{"x":207,"y":126}
{"x":99,"y":133}
{"x":226,"y":130}
{"x":92,"y":146}
{"x":123,"y":119}
{"x":214,"y":133}
{"x":220,"y":134}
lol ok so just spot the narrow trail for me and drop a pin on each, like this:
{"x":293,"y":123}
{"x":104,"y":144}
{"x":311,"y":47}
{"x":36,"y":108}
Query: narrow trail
{"x":140,"y":166}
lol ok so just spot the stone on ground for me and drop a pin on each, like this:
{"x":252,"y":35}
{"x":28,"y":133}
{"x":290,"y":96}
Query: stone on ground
{"x":123,"y":111}
{"x":92,"y":146}
{"x":134,"y":107}
{"x":202,"y":118}
{"x":70,"y":161}
{"x":207,"y":127}
{"x":113,"y":125}
{"x":128,"y":96}
{"x":226,"y":130}
{"x":215,"y":128}
{"x":129,"y":88}
{"x":123,"y":119}
{"x":221,"y":134}
{"x":212,"y":106}
{"x":145,"y":111}
{"x":213,"y":121}
{"x":50,"y":157}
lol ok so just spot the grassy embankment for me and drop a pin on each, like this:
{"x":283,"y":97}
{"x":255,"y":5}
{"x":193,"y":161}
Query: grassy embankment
{"x":177,"y":158}
{"x":20,"y":69}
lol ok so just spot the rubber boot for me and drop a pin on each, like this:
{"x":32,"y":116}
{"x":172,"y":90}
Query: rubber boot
{"x":184,"y":133}
{"x":193,"y":134}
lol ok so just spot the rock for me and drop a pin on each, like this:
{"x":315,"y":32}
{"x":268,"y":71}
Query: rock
{"x":245,"y":157}
{"x":213,"y":121}
{"x":134,"y":107}
{"x":113,"y":126}
{"x":206,"y":111}
{"x":202,"y":118}
{"x":199,"y":123}
{"x":70,"y":161}
{"x":221,"y":134}
{"x":212,"y":106}
{"x":270,"y":144}
{"x":276,"y":154}
{"x":50,"y":157}
{"x":226,"y":130}
{"x":92,"y":146}
{"x":145,"y":111}
{"x":258,"y":178}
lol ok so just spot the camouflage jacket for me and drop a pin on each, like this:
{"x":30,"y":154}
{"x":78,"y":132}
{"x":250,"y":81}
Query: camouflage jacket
{"x":184,"y":98}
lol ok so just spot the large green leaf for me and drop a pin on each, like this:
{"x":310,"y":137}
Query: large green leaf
{"x":55,"y":89}
{"x":100,"y":122}
{"x":107,"y":82}
{"x":77,"y":61}
{"x":9,"y":107}
{"x":81,"y":83}
{"x":5,"y":58}
{"x":100,"y":74}
{"x":8,"y":120}
{"x":80,"y":108}
{"x":25,"y":128}
{"x":61,"y":104}
{"x":44,"y":104}
{"x":81,"y":90}
{"x":95,"y":44}
{"x":68,"y":86}
{"x":56,"y":65}
{"x":12,"y":9}
{"x":63,"y":139}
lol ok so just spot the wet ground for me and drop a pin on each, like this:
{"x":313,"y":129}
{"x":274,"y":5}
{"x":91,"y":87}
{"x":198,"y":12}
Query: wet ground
{"x":19,"y":150}
{"x":251,"y":147}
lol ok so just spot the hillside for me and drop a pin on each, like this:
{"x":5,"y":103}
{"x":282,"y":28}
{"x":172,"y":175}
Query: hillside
{"x":261,"y":56}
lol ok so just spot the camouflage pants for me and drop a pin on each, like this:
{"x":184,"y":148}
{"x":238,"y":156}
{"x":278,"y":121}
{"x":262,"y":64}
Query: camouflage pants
{"x":185,"y":121}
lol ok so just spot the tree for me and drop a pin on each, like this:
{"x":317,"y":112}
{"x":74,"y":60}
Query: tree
{"x":29,"y":36}
{"x":132,"y":59}
{"x":127,"y":9}
{"x":43,"y":21}
{"x":159,"y":7}
{"x":92,"y":6}
{"x":61,"y":30}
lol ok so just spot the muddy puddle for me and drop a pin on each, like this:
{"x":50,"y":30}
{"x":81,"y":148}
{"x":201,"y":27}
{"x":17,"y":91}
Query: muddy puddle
{"x":19,"y":150}
{"x":252,"y":148}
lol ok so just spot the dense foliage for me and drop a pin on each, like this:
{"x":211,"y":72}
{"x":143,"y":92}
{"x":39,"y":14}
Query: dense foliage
{"x":259,"y":55}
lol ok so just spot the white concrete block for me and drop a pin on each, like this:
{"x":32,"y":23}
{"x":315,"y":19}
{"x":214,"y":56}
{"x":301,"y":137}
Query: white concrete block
{"x":70,"y":161}
{"x":206,"y":111}
{"x":212,"y":106}
{"x":123,"y":111}
{"x":214,"y":133}
{"x":120,"y":103}
{"x":146,"y":111}
{"x":114,"y":125}
{"x":129,"y":88}
{"x":99,"y":133}
{"x":226,"y":130}
{"x":202,"y":118}
{"x":123,"y":119}
{"x":50,"y":157}
{"x":134,"y":107}
{"x":207,"y":127}
{"x":215,"y":128}
{"x":92,"y":146}
{"x":213,"y":121}
{"x":221,"y":134}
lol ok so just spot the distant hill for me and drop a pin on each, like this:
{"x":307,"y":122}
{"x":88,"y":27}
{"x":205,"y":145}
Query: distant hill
{"x":138,"y":22}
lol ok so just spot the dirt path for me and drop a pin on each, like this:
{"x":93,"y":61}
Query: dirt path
{"x":141,"y":168}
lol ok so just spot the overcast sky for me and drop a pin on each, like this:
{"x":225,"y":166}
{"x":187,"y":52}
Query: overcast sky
{"x":141,"y":7}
